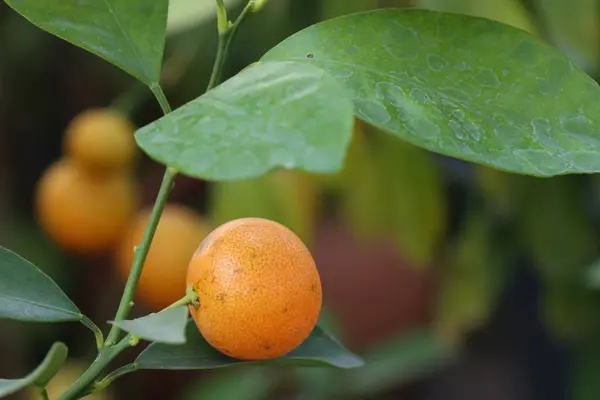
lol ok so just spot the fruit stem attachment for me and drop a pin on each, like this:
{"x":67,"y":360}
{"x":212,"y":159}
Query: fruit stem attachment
{"x":226,"y":37}
{"x":190,"y":298}
{"x":94,"y":328}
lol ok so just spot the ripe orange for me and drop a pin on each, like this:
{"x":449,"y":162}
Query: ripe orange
{"x":100,"y":140}
{"x":259,"y":289}
{"x":82,"y":213}
{"x":179,"y":231}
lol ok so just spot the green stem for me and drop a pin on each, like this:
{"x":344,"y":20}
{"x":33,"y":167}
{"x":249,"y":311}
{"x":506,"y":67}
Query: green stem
{"x":110,"y":378}
{"x":226,"y":37}
{"x":190,"y":297}
{"x":44,"y":394}
{"x":94,"y":328}
{"x":140,"y":254}
{"x":106,"y":355}
{"x":161,"y":98}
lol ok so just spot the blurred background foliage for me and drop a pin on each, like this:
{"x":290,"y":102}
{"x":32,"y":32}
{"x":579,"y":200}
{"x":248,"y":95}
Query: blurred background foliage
{"x":454,"y":281}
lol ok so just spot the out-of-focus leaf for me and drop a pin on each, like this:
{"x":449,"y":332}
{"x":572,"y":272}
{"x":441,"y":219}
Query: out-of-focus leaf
{"x":243,"y":384}
{"x":187,"y":14}
{"x":272,"y":114}
{"x":287,"y":196}
{"x":396,"y":188}
{"x":463,"y":86}
{"x":335,"y":8}
{"x":167,"y":326}
{"x":128,"y":33}
{"x":570,"y":311}
{"x":319,"y":349}
{"x":574,"y":27}
{"x":554,"y":227}
{"x":510,"y":12}
{"x":585,"y":369}
{"x":496,"y":188}
{"x":410,"y":356}
{"x":478,"y":269}
{"x":40,"y":376}
{"x":28,"y":294}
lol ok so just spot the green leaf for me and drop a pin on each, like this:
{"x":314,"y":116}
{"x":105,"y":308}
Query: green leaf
{"x":167,"y":326}
{"x":41,"y":375}
{"x":272,"y":114}
{"x":462,"y":86}
{"x":319,"y":349}
{"x":128,"y":33}
{"x":28,"y":294}
{"x":187,"y":14}
{"x":395,"y":188}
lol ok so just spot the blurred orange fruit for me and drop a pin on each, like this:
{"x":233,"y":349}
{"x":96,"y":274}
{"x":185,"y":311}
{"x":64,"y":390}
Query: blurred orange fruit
{"x":180,"y":230}
{"x":84,"y":213}
{"x":259,"y":289}
{"x":100,"y":140}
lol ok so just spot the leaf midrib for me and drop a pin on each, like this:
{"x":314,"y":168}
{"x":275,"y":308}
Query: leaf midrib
{"x":41,"y":305}
{"x":130,"y":43}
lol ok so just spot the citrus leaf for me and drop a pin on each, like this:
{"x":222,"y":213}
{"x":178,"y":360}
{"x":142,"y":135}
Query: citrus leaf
{"x":28,"y":294}
{"x":319,"y":349}
{"x":271,"y":114}
{"x":167,"y":326}
{"x":41,"y":375}
{"x":187,"y":14}
{"x":434,"y":80}
{"x":128,"y":33}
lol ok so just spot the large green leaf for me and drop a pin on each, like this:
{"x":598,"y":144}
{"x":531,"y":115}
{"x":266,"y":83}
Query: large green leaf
{"x":319,"y":349}
{"x":41,"y":375}
{"x":167,"y":326}
{"x":462,"y":86}
{"x":128,"y":33}
{"x":28,"y":294}
{"x":272,"y":114}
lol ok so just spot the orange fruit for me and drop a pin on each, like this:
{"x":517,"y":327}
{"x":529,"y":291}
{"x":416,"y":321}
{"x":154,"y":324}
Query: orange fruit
{"x":100,"y":140}
{"x":258,"y":287}
{"x":82,"y":213}
{"x":179,"y":231}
